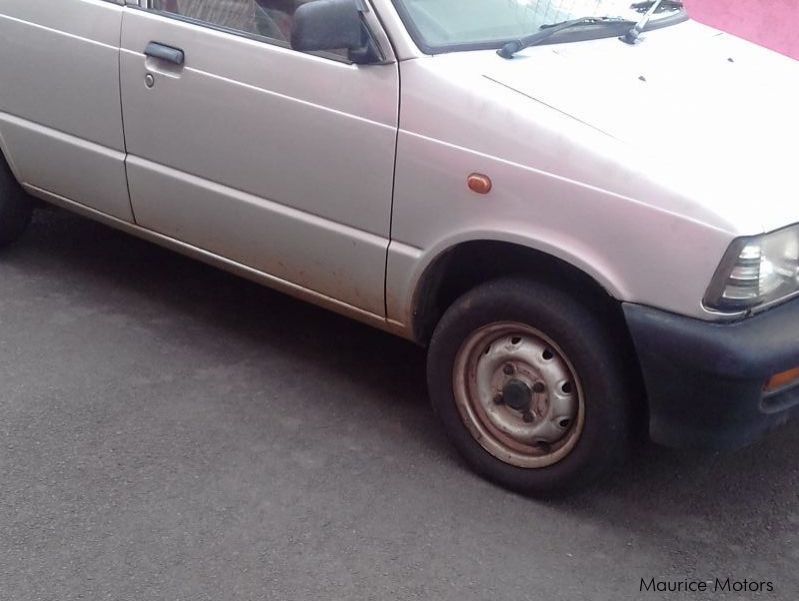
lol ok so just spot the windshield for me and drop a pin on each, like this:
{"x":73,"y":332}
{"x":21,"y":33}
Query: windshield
{"x":445,"y":25}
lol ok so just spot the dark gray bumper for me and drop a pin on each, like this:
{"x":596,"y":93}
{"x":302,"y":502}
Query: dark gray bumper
{"x":705,"y":380}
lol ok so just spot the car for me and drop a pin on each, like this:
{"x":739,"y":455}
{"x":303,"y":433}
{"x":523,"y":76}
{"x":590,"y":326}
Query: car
{"x":586,"y":211}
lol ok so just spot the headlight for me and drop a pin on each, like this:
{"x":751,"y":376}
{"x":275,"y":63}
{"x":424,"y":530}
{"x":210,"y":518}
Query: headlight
{"x":756,"y":271}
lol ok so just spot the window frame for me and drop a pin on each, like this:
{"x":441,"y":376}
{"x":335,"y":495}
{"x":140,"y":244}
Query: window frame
{"x":145,"y":5}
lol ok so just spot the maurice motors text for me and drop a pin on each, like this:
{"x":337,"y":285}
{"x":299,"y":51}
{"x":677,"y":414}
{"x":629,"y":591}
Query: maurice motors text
{"x":717,"y":585}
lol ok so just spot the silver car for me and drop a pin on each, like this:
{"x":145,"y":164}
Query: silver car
{"x":583,"y":208}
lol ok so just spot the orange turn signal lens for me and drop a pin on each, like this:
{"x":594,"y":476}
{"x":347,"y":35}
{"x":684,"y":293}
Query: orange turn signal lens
{"x":479,"y":183}
{"x":782,"y":379}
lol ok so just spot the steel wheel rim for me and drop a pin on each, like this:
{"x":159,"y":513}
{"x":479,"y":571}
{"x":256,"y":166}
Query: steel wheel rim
{"x":494,"y":370}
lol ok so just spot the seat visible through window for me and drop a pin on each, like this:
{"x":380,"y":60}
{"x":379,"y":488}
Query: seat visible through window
{"x":269,"y":18}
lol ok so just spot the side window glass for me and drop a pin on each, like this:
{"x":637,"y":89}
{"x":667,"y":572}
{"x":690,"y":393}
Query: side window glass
{"x":268,"y":18}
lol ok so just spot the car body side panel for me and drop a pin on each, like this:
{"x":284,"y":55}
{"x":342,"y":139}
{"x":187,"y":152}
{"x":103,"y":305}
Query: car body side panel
{"x":60,"y":115}
{"x":541,"y":197}
{"x":278,"y":160}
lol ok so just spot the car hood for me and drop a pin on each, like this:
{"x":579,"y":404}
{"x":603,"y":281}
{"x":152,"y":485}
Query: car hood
{"x":715,"y":116}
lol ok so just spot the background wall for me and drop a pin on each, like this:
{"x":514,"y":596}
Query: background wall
{"x":771,"y":23}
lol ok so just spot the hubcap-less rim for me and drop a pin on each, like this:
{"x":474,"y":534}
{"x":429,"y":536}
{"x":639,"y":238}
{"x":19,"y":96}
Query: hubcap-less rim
{"x":518,"y":395}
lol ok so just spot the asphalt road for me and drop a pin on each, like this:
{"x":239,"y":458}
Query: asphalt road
{"x":168,"y":431}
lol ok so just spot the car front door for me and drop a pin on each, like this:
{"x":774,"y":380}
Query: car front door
{"x":274,"y":159}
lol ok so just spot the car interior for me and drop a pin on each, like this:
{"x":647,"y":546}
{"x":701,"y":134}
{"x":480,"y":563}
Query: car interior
{"x":268,"y":18}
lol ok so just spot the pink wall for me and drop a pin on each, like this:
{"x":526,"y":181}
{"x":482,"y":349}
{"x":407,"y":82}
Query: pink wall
{"x":770,"y":23}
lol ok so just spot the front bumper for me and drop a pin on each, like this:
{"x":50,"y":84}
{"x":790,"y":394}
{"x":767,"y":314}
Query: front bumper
{"x":705,"y":380}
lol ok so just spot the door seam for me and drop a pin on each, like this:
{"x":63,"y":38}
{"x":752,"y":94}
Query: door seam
{"x":122,"y":116}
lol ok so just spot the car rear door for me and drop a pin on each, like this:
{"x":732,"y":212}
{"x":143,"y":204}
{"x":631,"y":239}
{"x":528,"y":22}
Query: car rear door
{"x":60,"y":117}
{"x":271,"y":158}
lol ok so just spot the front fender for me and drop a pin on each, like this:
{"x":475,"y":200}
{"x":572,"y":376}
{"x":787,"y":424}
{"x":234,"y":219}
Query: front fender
{"x":638,"y":252}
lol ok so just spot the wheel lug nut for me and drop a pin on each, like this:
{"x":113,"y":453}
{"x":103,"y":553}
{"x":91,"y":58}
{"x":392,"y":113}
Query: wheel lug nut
{"x":498,"y":400}
{"x":508,"y":370}
{"x":539,"y":387}
{"x":528,"y":417}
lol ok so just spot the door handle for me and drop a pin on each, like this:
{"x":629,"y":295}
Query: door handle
{"x":165,"y":53}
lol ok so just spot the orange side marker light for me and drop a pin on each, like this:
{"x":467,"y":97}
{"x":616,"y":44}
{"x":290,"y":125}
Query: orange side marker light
{"x":782,"y":379}
{"x":479,"y":183}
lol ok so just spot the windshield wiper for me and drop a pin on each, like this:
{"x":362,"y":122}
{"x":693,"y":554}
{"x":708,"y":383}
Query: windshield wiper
{"x":548,"y":30}
{"x":589,"y":21}
{"x":642,"y":7}
{"x":632,"y":36}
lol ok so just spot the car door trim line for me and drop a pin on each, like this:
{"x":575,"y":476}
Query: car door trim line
{"x":227,"y":80}
{"x":270,"y":205}
{"x":60,"y":32}
{"x":63,"y":136}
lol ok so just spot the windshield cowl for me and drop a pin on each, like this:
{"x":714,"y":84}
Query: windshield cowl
{"x":440,"y":26}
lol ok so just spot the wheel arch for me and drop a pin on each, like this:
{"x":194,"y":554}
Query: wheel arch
{"x":464,"y":264}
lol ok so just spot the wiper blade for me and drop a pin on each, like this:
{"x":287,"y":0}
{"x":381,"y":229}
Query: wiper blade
{"x":642,"y":7}
{"x":547,"y":31}
{"x":650,"y":8}
{"x":588,"y":20}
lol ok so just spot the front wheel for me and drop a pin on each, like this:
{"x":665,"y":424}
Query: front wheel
{"x":530,"y":386}
{"x":16,"y":206}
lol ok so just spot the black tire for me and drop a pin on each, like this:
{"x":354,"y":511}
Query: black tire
{"x":16,"y":207}
{"x":593,"y":354}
